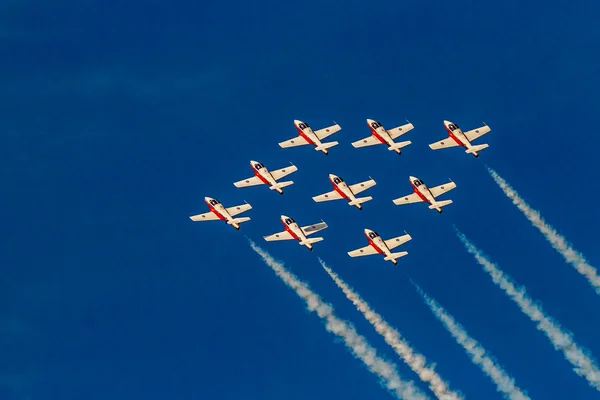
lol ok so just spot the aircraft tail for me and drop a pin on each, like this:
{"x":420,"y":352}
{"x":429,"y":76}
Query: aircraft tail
{"x":237,"y":221}
{"x":358,"y":202}
{"x":395,"y":256}
{"x":280,"y":185}
{"x":473,"y":150}
{"x":324,"y":146}
{"x":439,"y":204}
{"x":397,"y":146}
{"x":309,"y":242}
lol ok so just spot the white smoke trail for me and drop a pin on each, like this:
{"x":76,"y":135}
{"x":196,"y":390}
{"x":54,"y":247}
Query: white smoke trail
{"x":583,"y":363}
{"x":504,"y":382}
{"x":356,"y":343}
{"x":415,"y":361}
{"x":558,"y":242}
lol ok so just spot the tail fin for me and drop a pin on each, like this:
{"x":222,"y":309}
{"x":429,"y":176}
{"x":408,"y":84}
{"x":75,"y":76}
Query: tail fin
{"x":439,"y":204}
{"x":394,"y":256}
{"x":280,"y":185}
{"x":399,"y":145}
{"x":324,"y":146}
{"x":473,"y":150}
{"x":358,"y":202}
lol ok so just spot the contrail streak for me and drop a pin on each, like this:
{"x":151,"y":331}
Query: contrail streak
{"x":584,"y":364}
{"x":559,"y":242}
{"x":356,"y":343}
{"x":480,"y":357}
{"x":415,"y":361}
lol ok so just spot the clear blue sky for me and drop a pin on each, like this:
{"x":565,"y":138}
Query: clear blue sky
{"x":117,"y":120}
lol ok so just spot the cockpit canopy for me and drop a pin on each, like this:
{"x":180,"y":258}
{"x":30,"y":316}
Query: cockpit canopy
{"x":373,"y":235}
{"x":289,"y":221}
{"x":375,"y":124}
{"x":213,"y":202}
{"x":417,"y":182}
{"x":337,"y":180}
{"x":258,"y":166}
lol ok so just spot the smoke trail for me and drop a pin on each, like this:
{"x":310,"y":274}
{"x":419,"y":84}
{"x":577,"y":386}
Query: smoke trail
{"x":504,"y":382}
{"x":559,"y":242}
{"x":583,"y":364}
{"x":357,"y":344}
{"x":415,"y":361}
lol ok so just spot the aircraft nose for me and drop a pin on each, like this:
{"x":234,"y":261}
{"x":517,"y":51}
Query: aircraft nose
{"x":367,"y":231}
{"x":446,"y":122}
{"x":297,"y":122}
{"x":370,"y":121}
{"x":207,"y":199}
{"x":284,"y":217}
{"x":332,"y":176}
{"x":412,"y":178}
{"x":252,"y":162}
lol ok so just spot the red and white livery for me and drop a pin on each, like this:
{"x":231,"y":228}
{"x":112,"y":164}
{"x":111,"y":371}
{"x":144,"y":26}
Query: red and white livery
{"x":218,"y":211}
{"x":343,"y":191}
{"x":456,"y":137}
{"x":379,"y":135}
{"x":379,"y":246}
{"x":423,"y":193}
{"x":293,"y":231}
{"x":262,"y":176}
{"x":307,"y":136}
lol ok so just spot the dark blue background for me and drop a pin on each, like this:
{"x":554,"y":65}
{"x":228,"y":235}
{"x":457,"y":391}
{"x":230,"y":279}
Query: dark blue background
{"x":117,"y":119}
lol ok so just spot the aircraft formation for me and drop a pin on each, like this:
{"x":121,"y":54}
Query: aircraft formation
{"x":343,"y":191}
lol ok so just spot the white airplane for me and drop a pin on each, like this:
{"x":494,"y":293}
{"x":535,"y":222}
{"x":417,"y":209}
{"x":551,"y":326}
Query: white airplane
{"x":379,"y":135}
{"x":342,"y":191}
{"x":263,"y":176}
{"x":384,"y":247}
{"x":217,"y":211}
{"x":428,"y":195}
{"x":456,"y":137}
{"x":293,"y":231}
{"x":307,"y":136}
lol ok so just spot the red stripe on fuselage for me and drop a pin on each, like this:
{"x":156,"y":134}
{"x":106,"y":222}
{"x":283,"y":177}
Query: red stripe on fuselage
{"x":287,"y":228}
{"x":259,"y":176}
{"x":454,"y":137}
{"x":378,"y":136}
{"x":218,"y":214}
{"x":374,"y":245}
{"x":338,"y":190}
{"x":301,"y":133}
{"x":419,"y":193}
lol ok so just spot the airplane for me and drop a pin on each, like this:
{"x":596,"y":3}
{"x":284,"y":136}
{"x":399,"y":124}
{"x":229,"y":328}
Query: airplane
{"x":459,"y":138}
{"x":263,"y":176}
{"x":218,"y":211}
{"x":379,"y":135}
{"x":307,"y":136}
{"x":293,"y":231}
{"x":343,"y":191}
{"x":428,"y":195}
{"x":383,"y":247}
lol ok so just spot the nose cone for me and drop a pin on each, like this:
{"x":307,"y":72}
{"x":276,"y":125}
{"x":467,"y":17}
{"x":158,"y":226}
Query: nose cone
{"x":367,"y":231}
{"x":332,"y":177}
{"x":252,"y":162}
{"x":283,"y":217}
{"x":297,"y":122}
{"x":207,"y":199}
{"x":446,"y":122}
{"x":370,"y":121}
{"x":412,"y":178}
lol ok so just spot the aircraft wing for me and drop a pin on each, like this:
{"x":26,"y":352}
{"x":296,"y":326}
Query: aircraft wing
{"x":397,"y":241}
{"x":410,"y":198}
{"x":235,"y":210}
{"x":310,"y":229}
{"x":285,"y":235}
{"x":330,"y":130}
{"x":475,"y":133}
{"x":333,"y":195}
{"x":363,"y":251}
{"x":442,"y":144}
{"x":400,"y":130}
{"x":368,"y":141}
{"x":441,"y":189}
{"x":280,"y":173}
{"x":297,"y":141}
{"x":248,"y":182}
{"x":209,"y":216}
{"x":362,"y":186}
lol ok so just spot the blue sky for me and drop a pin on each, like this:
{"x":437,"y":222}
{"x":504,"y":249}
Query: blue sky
{"x":116,"y":121}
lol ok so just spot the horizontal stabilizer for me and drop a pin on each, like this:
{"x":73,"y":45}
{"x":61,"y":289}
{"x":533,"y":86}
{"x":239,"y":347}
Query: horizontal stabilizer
{"x":440,"y":204}
{"x":360,"y":200}
{"x":281,"y":185}
{"x":394,"y":256}
{"x":325,"y":146}
{"x":397,"y":146}
{"x":477,"y":148}
{"x":311,"y":240}
{"x":238,"y":220}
